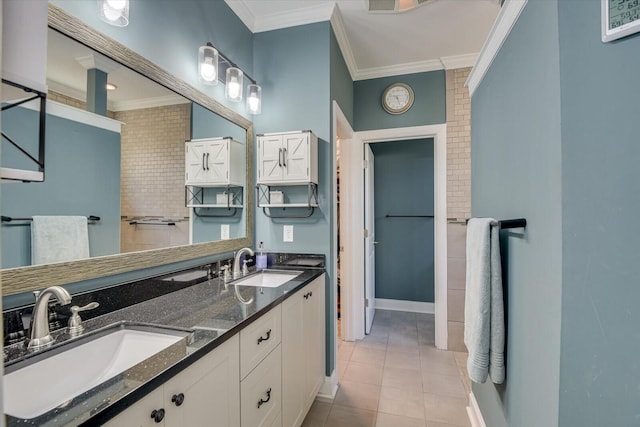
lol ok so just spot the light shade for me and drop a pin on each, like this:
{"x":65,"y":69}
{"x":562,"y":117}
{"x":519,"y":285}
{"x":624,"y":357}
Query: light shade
{"x":254,"y":99}
{"x":233,"y":90}
{"x":114,"y":12}
{"x":208,"y":65}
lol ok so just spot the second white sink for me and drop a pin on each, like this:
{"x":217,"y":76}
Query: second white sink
{"x":71,"y":372}
{"x":268,"y":278}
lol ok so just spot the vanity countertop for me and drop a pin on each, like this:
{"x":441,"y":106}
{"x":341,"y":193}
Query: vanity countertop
{"x":210,"y":308}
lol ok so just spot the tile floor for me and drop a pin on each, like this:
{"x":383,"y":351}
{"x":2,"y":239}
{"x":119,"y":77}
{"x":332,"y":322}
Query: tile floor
{"x":395,"y":377}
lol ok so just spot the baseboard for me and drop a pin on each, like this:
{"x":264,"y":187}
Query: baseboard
{"x":401,"y":305}
{"x":473,"y":411}
{"x":329,"y":388}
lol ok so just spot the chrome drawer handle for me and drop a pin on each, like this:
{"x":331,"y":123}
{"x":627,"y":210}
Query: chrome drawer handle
{"x":263,"y":338}
{"x":262,"y":402}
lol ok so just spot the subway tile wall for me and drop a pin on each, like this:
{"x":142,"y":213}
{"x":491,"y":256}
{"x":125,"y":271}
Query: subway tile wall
{"x":458,"y":199}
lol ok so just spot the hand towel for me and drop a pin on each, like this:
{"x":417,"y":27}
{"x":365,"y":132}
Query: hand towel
{"x":484,"y":306}
{"x":59,"y":238}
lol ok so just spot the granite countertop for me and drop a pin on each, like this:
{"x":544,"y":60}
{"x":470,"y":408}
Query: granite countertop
{"x":208,"y":313}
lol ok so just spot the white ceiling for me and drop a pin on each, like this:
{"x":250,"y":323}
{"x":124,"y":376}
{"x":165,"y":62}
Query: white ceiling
{"x":439,"y":34}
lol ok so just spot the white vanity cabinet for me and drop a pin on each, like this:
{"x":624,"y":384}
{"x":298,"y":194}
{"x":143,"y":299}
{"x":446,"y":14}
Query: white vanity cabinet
{"x":303,"y":352}
{"x":214,"y":162}
{"x":289,"y":158}
{"x":208,"y":392}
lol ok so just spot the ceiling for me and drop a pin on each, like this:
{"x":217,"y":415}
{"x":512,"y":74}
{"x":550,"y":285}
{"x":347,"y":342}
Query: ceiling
{"x":438,"y":34}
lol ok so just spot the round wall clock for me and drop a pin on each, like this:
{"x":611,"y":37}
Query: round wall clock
{"x":397,"y":98}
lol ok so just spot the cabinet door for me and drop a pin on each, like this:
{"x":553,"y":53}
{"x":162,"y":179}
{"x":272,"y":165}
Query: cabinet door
{"x":209,"y":390}
{"x":269,"y":159}
{"x":313,"y":322}
{"x":296,"y":157}
{"x":195,"y":162}
{"x":217,"y":162}
{"x":294,"y":360}
{"x":139,"y":414}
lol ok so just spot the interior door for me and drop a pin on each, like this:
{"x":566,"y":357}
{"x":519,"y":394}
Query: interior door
{"x":369,"y":241}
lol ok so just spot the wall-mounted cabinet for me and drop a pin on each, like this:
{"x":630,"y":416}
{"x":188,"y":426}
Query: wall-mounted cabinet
{"x":284,"y":160}
{"x":214,"y":162}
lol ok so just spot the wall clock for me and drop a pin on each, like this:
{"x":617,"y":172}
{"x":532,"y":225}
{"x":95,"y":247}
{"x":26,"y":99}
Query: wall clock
{"x":397,"y":98}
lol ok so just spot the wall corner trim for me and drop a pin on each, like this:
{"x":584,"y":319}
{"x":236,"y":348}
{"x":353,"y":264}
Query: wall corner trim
{"x":501,"y":28}
{"x":473,"y":412}
{"x":339,"y":29}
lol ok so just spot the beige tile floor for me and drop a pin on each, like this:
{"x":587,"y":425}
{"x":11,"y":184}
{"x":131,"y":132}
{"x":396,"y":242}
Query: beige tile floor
{"x":395,"y":377}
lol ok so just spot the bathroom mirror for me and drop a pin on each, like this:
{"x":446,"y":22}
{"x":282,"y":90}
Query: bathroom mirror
{"x":201,"y":117}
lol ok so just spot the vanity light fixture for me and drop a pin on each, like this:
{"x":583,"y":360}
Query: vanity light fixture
{"x":208,"y":64}
{"x":114,"y":12}
{"x":213,"y":66}
{"x":254,"y":99}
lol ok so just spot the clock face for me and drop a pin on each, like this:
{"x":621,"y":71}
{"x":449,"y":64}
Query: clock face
{"x":397,"y":98}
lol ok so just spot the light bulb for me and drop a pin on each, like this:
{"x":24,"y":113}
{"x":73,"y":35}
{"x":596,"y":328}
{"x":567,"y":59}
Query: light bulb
{"x":254,"y":103}
{"x":208,"y":71}
{"x":117,"y":4}
{"x":234,"y":89}
{"x":115,"y":12}
{"x":111,"y":13}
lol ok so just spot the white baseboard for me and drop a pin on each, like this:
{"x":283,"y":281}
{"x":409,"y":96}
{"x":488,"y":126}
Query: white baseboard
{"x":329,"y":388}
{"x":473,"y":411}
{"x":401,"y":305}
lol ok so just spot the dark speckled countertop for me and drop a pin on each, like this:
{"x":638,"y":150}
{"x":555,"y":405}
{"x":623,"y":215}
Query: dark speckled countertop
{"x":207,"y":313}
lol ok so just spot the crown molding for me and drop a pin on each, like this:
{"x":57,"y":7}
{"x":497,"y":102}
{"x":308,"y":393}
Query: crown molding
{"x":293,"y":18}
{"x":509,"y":14}
{"x":399,"y":69}
{"x":339,"y":29}
{"x":459,"y":61}
{"x":99,"y":62}
{"x":240,"y":8}
{"x":158,"y":101}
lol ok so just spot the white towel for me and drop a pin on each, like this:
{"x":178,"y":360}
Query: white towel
{"x":484,"y":307}
{"x":59,"y":238}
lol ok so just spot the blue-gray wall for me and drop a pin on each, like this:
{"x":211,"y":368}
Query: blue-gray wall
{"x":293,"y":66}
{"x":82,"y":177}
{"x":404,"y":254}
{"x":428,"y":108}
{"x":341,"y":84}
{"x":515,"y":172}
{"x":599,"y":365}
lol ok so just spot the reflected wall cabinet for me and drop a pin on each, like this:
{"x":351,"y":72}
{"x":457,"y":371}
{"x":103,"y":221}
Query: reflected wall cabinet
{"x":214,"y":162}
{"x":289,"y":158}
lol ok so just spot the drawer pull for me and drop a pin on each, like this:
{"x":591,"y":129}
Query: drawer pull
{"x":158,"y":415}
{"x":178,"y":399}
{"x":262,"y":402}
{"x":308,"y":294}
{"x":263,"y":338}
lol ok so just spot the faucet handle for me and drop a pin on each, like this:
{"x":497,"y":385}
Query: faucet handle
{"x":75,"y":322}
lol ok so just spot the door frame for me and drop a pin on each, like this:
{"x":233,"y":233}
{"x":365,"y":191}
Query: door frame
{"x":354,"y":297}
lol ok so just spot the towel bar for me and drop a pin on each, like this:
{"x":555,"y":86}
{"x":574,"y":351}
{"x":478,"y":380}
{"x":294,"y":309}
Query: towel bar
{"x":509,"y":223}
{"x":91,"y":218}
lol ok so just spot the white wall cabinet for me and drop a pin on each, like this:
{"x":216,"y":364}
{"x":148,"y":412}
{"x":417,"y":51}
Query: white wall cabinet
{"x":214,"y":162}
{"x":289,"y":158}
{"x":208,"y":392}
{"x":302,"y":351}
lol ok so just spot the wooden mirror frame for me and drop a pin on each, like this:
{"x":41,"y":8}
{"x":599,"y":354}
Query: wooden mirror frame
{"x":29,"y":278}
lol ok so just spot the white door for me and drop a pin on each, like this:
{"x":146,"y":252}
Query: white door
{"x":269,"y":158}
{"x":196,"y":162}
{"x":217,"y":162}
{"x":369,"y":241}
{"x":295,"y":157}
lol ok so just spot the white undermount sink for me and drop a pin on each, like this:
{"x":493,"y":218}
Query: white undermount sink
{"x":48,"y":383}
{"x":268,"y":278}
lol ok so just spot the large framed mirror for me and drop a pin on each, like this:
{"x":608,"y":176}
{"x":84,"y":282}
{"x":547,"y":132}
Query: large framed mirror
{"x":147,"y":200}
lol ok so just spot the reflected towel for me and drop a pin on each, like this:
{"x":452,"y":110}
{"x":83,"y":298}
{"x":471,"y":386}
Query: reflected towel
{"x":484,"y":306}
{"x":59,"y":238}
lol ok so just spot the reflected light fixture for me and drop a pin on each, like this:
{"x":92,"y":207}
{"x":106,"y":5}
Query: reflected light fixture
{"x":111,"y":86}
{"x":235,"y":78}
{"x":254,"y":99}
{"x":208,"y":64}
{"x":114,"y":12}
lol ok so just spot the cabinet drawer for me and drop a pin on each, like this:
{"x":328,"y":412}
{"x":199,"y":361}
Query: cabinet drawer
{"x":261,"y":393}
{"x":258,"y":339}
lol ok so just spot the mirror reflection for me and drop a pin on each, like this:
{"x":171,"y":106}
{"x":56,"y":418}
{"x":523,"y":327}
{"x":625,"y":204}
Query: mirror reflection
{"x":115,"y":149}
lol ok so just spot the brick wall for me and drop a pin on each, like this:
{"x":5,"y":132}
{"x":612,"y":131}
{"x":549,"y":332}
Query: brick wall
{"x":152,"y":166}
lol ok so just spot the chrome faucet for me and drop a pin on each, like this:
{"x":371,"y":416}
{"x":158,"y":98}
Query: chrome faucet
{"x":40,"y":336}
{"x":236,"y":263}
